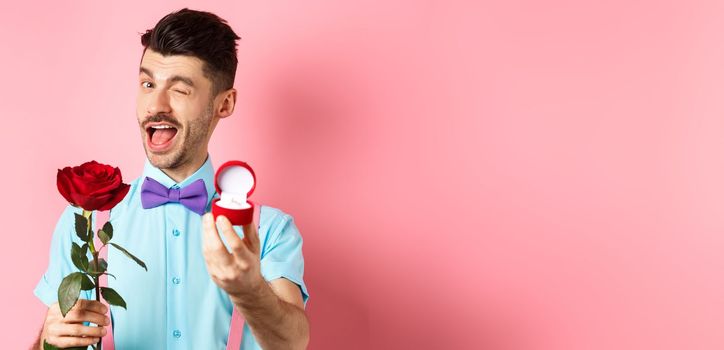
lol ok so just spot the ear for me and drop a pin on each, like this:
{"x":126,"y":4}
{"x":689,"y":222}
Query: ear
{"x":228,"y":101}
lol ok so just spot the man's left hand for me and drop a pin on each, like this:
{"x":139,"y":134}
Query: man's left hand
{"x":238,"y":271}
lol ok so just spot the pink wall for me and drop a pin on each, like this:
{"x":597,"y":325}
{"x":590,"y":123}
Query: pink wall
{"x":533,"y":175}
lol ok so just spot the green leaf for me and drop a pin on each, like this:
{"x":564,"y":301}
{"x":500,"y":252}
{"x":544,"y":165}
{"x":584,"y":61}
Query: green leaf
{"x":86,"y":283}
{"x":47,"y":346}
{"x":79,"y":259}
{"x":102,"y":266}
{"x":84,"y":250}
{"x":103,"y":235}
{"x":81,"y":227}
{"x":137,"y":260}
{"x":108,"y":229}
{"x":112,"y":297}
{"x":69,"y":291}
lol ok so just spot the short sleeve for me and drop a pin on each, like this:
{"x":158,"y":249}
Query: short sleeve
{"x":59,"y":263}
{"x":282,"y":252}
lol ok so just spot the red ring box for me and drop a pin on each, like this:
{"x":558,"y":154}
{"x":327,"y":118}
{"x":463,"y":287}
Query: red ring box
{"x":235,"y":182}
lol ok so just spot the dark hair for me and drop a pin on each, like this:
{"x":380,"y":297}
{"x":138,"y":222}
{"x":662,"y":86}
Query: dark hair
{"x":203,"y":35}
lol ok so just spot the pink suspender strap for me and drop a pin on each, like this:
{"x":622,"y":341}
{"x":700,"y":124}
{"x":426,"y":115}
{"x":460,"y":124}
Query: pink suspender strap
{"x":235,"y":330}
{"x":237,"y":319}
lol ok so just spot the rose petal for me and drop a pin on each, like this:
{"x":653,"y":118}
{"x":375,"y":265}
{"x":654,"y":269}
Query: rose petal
{"x":64,"y":186}
{"x":117,"y":198}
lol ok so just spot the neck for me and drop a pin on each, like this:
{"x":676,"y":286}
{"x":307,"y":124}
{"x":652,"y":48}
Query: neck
{"x":184,"y":171}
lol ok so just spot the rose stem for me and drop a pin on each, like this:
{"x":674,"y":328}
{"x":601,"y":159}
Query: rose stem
{"x":96,"y":263}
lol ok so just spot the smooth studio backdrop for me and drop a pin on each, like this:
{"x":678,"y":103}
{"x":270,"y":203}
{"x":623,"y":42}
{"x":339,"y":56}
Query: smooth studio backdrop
{"x":465,"y":174}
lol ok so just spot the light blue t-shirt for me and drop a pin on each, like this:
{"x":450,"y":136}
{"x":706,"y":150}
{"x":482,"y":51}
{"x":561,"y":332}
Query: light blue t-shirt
{"x":175,"y":304}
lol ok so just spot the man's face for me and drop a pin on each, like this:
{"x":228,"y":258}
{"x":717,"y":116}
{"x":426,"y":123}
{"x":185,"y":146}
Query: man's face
{"x":175,"y":109}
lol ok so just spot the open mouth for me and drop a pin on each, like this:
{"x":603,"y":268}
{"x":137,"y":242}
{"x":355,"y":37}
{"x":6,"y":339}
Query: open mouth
{"x":161,"y":136}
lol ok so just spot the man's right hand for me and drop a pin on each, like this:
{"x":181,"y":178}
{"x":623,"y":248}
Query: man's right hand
{"x":69,"y":331}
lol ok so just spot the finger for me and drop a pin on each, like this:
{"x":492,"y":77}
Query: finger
{"x":90,"y":305}
{"x":237,"y":246}
{"x":79,"y":330}
{"x":86,"y":315}
{"x":251,"y":235}
{"x":67,"y":342}
{"x":212,"y":244}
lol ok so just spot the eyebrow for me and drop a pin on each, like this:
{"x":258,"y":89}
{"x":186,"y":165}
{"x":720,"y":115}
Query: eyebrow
{"x":172,"y":79}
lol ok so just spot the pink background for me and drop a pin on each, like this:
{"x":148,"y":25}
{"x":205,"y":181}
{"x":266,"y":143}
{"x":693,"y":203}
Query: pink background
{"x":526,"y":175}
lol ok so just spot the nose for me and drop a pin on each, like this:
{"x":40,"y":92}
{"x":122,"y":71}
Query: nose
{"x":158,"y":102}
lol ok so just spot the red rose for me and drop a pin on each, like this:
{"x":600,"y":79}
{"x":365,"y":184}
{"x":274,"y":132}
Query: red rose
{"x":92,"y":186}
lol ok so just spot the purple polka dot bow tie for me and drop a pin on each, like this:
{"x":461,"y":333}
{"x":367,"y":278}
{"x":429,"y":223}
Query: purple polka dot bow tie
{"x":193,"y":196}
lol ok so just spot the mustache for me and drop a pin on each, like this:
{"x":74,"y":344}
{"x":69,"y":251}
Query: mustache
{"x":158,"y":118}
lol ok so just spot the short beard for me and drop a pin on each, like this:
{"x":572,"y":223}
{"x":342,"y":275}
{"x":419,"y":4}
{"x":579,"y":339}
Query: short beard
{"x":196,"y":133}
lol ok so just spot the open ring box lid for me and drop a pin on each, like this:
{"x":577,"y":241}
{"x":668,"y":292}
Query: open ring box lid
{"x":235,"y":181}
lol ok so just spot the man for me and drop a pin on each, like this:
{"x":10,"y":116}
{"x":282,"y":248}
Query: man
{"x":186,"y":298}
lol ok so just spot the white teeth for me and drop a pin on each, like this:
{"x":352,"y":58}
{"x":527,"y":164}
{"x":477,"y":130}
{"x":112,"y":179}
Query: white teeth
{"x":162,"y":126}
